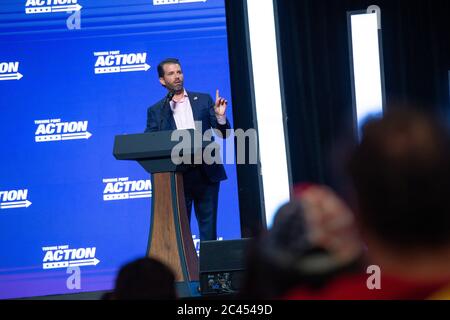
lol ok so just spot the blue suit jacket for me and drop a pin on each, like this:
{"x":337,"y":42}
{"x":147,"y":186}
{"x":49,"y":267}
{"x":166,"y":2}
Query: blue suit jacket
{"x":203,"y":110}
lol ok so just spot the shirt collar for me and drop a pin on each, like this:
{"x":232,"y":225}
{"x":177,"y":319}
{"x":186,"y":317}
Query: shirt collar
{"x":173,"y":103}
{"x":185,"y":95}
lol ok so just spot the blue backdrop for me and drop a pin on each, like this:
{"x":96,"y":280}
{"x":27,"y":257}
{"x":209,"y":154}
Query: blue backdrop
{"x":64,"y":200}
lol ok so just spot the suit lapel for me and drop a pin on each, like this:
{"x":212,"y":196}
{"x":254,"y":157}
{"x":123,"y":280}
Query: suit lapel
{"x":194,"y":100}
{"x":196,"y":108}
{"x":169,"y":119}
{"x":173,"y":125}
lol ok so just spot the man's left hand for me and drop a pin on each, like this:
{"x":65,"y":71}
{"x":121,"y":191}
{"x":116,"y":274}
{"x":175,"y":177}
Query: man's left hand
{"x":221,"y":105}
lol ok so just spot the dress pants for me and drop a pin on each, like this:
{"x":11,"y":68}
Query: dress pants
{"x":204,"y":195}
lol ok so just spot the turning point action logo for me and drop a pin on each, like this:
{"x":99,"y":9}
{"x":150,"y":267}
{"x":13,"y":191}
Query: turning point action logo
{"x":47,"y":6}
{"x":55,"y":6}
{"x":14,"y":199}
{"x":124,"y":189}
{"x":58,"y":257}
{"x":10,"y":71}
{"x":115,"y":62}
{"x":56,"y":130}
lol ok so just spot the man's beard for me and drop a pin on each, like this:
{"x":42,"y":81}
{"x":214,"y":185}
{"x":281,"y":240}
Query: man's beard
{"x":177,"y":88}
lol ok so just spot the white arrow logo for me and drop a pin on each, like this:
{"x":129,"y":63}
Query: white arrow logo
{"x":82,"y":263}
{"x":76,"y":136}
{"x":11,"y":76}
{"x":124,"y":196}
{"x":137,"y":67}
{"x":15,"y":205}
{"x":63,"y":137}
{"x":161,"y":2}
{"x":133,"y":68}
{"x":75,"y":7}
{"x":76,"y":263}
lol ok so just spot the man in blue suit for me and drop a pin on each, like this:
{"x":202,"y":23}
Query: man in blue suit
{"x":179,"y":110}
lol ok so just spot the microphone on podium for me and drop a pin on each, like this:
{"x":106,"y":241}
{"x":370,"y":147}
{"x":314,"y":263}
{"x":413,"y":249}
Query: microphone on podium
{"x":169,"y":97}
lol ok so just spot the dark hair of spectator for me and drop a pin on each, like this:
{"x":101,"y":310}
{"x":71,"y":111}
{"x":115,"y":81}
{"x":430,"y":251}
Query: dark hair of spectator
{"x":145,"y":279}
{"x":401,"y":174}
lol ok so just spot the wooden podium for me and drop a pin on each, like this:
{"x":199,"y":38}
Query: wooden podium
{"x":170,"y":239}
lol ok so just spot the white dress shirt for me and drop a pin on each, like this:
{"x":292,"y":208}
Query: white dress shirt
{"x":182,"y":113}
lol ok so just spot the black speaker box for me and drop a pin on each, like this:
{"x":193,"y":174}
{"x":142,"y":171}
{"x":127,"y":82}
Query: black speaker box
{"x":222,"y":266}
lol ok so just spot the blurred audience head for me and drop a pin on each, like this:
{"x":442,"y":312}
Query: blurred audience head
{"x":330,"y":224}
{"x":314,"y":233}
{"x":401,"y":173}
{"x":401,"y":176}
{"x":312,"y":240}
{"x":145,"y":279}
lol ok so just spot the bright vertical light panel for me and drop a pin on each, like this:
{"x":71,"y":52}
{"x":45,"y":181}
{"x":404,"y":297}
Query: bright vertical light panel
{"x":269,"y":111}
{"x":367,"y":74}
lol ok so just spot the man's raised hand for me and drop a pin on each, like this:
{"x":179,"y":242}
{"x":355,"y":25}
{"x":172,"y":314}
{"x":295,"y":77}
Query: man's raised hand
{"x":221,"y":105}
